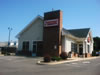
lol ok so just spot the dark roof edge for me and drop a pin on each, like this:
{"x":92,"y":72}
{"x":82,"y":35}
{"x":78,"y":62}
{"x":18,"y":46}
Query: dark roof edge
{"x":78,"y":29}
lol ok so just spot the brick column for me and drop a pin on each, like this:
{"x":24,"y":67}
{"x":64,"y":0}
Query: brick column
{"x":52,"y":33}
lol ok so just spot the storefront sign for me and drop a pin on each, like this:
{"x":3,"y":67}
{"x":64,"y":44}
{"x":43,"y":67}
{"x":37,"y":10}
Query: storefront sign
{"x":88,"y":39}
{"x":49,"y":23}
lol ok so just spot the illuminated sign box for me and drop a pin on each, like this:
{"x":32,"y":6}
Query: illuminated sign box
{"x":49,"y":23}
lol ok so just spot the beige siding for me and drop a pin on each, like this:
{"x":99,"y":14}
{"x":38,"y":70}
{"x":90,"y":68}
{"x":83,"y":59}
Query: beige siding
{"x":63,"y":43}
{"x":33,"y":33}
{"x":68,"y":42}
{"x":90,"y":44}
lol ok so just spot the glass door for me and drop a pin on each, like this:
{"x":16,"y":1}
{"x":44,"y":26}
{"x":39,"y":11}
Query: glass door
{"x":34,"y":48}
{"x":80,"y":49}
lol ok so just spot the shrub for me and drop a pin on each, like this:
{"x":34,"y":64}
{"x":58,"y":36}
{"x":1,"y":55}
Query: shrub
{"x":47,"y":58}
{"x":56,"y":58}
{"x":64,"y":55}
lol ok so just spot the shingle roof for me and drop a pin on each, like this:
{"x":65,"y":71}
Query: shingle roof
{"x":81,"y":33}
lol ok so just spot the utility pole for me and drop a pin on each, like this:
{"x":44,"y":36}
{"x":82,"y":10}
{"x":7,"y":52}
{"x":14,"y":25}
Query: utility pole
{"x":9,"y":29}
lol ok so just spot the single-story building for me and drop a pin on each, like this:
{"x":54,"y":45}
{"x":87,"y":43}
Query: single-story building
{"x":45,"y":35}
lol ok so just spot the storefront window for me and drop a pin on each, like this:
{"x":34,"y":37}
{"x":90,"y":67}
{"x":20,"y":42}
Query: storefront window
{"x":25,"y":45}
{"x":88,"y":49}
{"x":81,"y":49}
{"x":74,"y":47}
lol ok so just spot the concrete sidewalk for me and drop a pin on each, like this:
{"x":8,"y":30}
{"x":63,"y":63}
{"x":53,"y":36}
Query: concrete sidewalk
{"x":1,"y":54}
{"x":65,"y":61}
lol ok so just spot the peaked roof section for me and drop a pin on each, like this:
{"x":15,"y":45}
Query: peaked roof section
{"x":37,"y":17}
{"x":76,"y":33}
{"x":80,"y":33}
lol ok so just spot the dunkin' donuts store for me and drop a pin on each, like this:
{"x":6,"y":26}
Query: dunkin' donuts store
{"x":46,"y":35}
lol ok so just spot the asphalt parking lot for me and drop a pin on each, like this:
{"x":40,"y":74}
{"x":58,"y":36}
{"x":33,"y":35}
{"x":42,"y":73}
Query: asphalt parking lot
{"x":16,"y":65}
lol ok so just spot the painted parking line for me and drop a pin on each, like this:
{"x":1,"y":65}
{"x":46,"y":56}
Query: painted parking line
{"x":9,"y":59}
{"x":86,"y":62}
{"x":74,"y":63}
{"x":78,"y":64}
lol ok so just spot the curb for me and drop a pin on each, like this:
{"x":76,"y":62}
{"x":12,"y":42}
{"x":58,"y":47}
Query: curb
{"x":67,"y":61}
{"x":1,"y":55}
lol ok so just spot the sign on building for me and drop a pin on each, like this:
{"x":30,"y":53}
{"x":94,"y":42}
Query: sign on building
{"x":49,"y":23}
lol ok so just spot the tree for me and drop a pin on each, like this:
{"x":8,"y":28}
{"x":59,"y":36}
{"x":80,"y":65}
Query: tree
{"x":96,"y":43}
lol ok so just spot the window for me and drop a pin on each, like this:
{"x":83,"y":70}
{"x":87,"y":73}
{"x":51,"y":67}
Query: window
{"x":34,"y":47}
{"x":80,"y":49}
{"x":88,"y":49}
{"x":25,"y":45}
{"x":81,"y":45}
{"x":74,"y":47}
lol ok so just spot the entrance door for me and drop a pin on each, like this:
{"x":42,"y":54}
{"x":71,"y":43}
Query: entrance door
{"x":37,"y":48}
{"x":34,"y":48}
{"x":80,"y":49}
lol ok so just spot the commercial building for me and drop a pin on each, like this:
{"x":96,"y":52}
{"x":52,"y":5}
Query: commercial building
{"x":46,"y":35}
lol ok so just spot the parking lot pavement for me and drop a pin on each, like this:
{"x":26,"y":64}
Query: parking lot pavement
{"x":16,"y":65}
{"x":9,"y":65}
{"x":20,"y":59}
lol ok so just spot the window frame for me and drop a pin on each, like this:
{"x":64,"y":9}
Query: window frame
{"x":25,"y":45}
{"x":74,"y":47}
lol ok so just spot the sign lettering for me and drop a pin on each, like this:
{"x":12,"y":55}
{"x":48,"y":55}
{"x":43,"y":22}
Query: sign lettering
{"x":49,"y":23}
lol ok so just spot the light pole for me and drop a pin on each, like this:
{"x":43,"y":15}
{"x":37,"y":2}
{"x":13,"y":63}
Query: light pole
{"x":10,"y":29}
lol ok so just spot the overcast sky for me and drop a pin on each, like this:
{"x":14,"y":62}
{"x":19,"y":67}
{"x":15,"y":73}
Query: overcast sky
{"x":76,"y":14}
